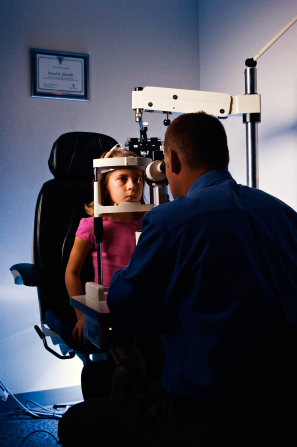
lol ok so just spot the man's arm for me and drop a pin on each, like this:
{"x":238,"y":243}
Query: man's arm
{"x":139,"y":294}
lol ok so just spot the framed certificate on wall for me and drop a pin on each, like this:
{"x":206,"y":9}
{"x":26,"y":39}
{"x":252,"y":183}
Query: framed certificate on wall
{"x":59,"y":75}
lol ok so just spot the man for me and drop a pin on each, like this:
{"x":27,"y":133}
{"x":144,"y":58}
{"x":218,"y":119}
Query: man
{"x":217,"y":268}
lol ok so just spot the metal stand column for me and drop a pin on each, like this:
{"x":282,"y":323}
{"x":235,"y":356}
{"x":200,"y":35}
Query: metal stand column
{"x":251,"y":121}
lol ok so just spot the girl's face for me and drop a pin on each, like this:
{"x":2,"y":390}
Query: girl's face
{"x":124,"y":185}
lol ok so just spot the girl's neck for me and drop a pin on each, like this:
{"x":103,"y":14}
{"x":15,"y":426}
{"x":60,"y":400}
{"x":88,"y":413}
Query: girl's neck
{"x":120,"y":217}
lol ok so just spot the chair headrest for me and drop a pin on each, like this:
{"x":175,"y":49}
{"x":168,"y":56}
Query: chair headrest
{"x":72,"y":154}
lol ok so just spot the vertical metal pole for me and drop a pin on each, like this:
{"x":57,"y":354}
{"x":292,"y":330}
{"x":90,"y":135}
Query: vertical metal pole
{"x":98,"y":224}
{"x":251,"y":121}
{"x":252,"y":168}
{"x":161,"y":193}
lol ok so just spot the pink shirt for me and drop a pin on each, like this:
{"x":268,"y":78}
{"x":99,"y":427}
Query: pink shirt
{"x":117,"y":245}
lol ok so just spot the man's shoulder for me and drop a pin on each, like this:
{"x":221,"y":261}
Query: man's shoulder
{"x":166,"y":209}
{"x":256,"y":199}
{"x":213,"y":200}
{"x":220,"y":191}
{"x":168,"y":216}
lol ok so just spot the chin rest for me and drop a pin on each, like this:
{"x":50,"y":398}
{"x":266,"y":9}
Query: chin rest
{"x":59,"y":208}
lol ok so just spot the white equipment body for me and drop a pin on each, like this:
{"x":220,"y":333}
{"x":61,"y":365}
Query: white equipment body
{"x":174,"y":100}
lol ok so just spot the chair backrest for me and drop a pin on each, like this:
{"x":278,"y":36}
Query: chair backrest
{"x":59,"y":208}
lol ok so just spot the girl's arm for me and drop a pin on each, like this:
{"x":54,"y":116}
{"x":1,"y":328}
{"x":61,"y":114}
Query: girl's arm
{"x":72,"y":279}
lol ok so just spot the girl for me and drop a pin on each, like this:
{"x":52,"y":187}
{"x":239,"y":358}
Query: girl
{"x":120,"y":185}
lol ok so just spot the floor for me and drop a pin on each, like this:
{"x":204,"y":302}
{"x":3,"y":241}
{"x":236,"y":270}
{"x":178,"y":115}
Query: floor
{"x":20,"y":430}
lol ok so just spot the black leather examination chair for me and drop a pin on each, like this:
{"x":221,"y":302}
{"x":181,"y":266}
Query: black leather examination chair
{"x":59,"y":208}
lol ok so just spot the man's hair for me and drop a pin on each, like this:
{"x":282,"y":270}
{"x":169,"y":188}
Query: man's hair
{"x":199,"y":140}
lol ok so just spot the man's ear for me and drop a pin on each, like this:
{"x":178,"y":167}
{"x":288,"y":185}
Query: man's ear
{"x":174,"y":161}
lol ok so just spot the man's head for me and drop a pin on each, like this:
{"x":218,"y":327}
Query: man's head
{"x":195,"y":143}
{"x":200,"y":141}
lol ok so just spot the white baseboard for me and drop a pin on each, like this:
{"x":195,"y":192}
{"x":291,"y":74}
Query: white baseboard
{"x":66,"y":395}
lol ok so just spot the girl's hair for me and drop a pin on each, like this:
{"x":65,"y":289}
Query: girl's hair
{"x":103,"y":178}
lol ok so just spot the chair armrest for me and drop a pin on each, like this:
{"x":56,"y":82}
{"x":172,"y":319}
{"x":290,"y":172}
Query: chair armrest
{"x":28,"y":275}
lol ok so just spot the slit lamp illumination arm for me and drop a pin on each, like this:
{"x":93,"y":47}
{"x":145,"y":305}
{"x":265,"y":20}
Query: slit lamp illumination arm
{"x":168,"y":100}
{"x":218,"y":104}
{"x":251,"y":120}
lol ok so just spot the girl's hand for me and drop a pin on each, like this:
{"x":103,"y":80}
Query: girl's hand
{"x":78,"y":334}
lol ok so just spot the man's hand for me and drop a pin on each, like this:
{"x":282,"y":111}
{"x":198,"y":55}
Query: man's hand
{"x":78,"y":334}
